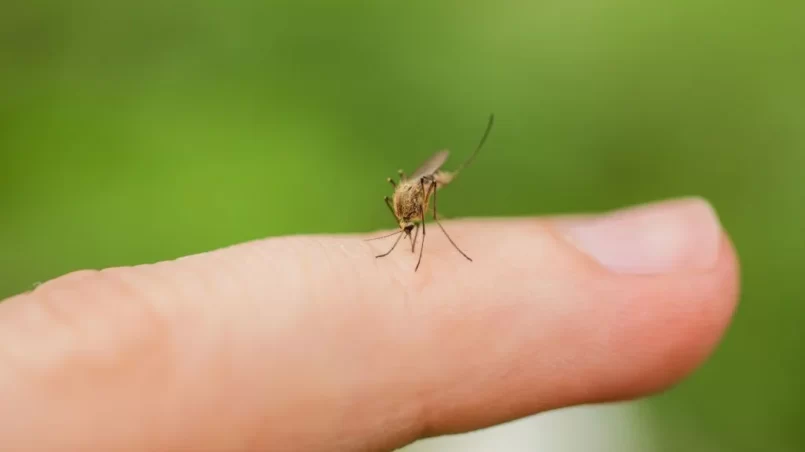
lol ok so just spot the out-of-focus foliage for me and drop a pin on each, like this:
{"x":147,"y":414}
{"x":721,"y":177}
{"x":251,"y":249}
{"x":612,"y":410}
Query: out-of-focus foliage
{"x":132,"y":132}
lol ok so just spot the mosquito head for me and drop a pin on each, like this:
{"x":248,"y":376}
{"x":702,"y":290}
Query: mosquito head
{"x":407,"y":227}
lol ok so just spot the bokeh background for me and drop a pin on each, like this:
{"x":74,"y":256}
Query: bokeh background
{"x":132,"y":132}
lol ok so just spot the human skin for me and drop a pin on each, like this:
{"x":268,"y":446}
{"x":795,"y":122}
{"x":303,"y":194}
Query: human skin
{"x":309,"y":343}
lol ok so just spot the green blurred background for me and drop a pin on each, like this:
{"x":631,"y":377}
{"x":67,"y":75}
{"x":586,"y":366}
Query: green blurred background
{"x":140,"y":131}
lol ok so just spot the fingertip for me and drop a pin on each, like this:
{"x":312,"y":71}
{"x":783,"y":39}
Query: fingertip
{"x":568,"y":330}
{"x":669,"y":327}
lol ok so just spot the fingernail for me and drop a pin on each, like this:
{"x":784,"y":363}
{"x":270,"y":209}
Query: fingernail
{"x":668,"y":236}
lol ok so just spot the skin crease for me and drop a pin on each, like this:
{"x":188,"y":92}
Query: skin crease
{"x":310,"y":343}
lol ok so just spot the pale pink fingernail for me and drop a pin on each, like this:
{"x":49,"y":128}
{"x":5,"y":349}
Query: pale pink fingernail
{"x":668,"y":236}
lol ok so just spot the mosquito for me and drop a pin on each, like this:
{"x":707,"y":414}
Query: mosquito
{"x":412,"y":196}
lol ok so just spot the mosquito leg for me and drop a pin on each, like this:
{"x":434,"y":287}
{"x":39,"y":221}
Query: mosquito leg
{"x":413,"y":241}
{"x":436,"y":219}
{"x":421,"y":245}
{"x":422,"y":212}
{"x":383,"y":236}
{"x":400,"y":231}
{"x":392,"y":247}
{"x":391,"y":208}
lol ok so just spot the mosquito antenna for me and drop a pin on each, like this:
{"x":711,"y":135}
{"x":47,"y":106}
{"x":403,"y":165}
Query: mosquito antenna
{"x":480,"y":145}
{"x":384,"y":236}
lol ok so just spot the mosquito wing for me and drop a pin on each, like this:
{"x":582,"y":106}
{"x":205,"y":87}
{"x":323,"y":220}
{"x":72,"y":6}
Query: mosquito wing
{"x":431,"y":165}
